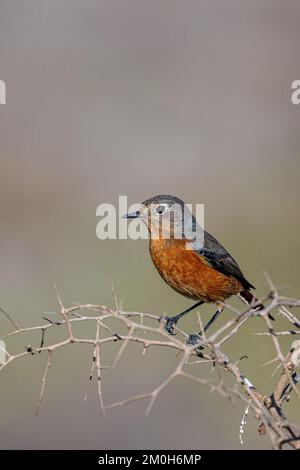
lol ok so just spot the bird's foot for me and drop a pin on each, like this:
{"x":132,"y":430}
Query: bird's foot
{"x":170,"y":323}
{"x":194,"y":340}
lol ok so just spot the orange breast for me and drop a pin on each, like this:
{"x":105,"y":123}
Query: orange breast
{"x":190,"y":274}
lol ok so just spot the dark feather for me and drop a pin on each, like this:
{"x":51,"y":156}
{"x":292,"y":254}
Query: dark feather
{"x":221,"y":260}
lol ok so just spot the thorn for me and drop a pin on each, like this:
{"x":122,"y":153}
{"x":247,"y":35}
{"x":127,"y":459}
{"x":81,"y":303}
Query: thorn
{"x":59,"y":298}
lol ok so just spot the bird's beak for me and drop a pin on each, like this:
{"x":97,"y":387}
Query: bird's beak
{"x":132,"y":215}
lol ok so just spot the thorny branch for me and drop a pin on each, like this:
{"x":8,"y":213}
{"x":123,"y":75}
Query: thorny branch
{"x":268,"y":409}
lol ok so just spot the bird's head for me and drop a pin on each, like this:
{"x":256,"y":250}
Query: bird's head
{"x":165,"y":216}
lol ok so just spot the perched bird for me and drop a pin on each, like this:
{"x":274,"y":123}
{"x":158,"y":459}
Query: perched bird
{"x":189,"y":259}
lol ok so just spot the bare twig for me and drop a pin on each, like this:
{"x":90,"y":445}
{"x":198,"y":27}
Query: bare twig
{"x":148,"y":331}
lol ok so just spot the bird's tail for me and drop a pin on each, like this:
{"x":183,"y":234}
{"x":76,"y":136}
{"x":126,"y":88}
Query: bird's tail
{"x":249,"y":299}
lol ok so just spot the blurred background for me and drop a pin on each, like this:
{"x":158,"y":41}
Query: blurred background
{"x":191,"y":98}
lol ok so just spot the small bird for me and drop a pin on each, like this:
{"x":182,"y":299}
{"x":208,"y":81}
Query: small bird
{"x":202,"y":271}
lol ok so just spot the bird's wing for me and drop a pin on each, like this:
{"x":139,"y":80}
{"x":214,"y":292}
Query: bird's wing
{"x":219,"y":258}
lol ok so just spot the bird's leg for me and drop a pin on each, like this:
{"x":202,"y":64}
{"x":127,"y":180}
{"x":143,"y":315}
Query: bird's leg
{"x":193,"y":339}
{"x":214,"y":317}
{"x":171,"y":321}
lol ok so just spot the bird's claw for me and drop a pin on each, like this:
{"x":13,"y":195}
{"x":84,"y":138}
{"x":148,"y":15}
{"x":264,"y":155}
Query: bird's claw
{"x":170,"y":323}
{"x":194,"y":340}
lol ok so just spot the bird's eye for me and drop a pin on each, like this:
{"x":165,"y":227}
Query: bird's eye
{"x":161,"y":209}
